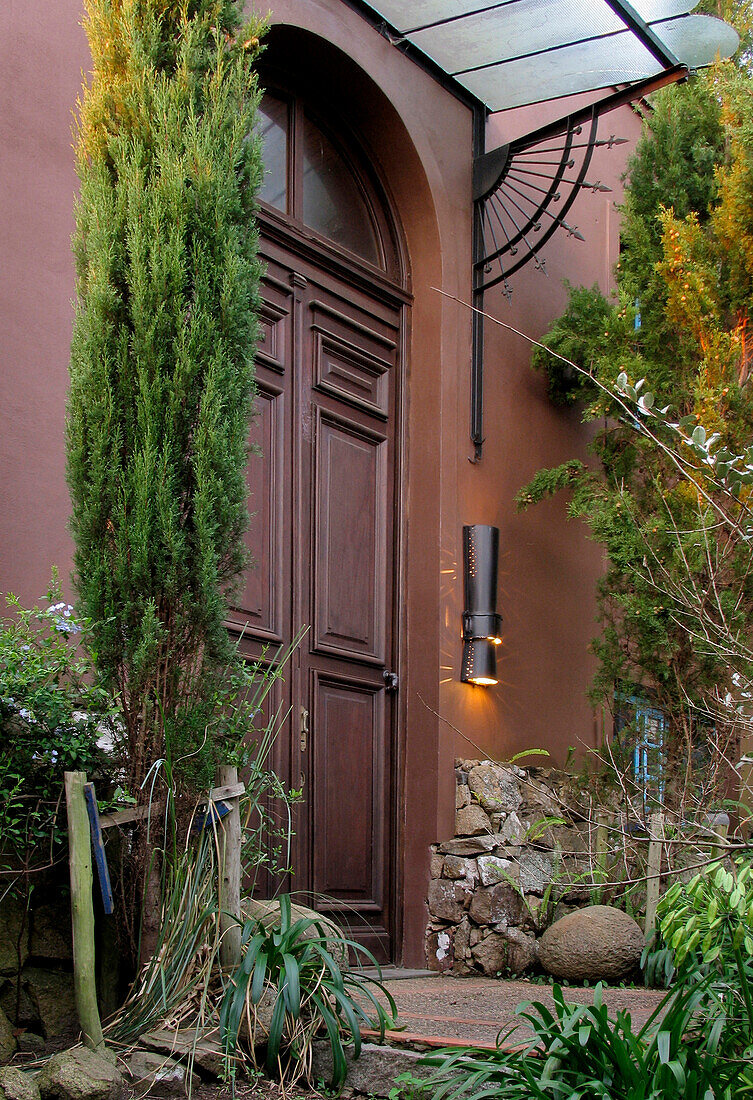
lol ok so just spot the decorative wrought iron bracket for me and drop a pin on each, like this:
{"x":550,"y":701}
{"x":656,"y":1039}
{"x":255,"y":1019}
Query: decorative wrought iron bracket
{"x":522,"y":194}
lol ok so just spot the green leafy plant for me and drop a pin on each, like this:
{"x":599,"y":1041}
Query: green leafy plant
{"x":298,"y":968}
{"x":696,"y":1045}
{"x":51,"y":714}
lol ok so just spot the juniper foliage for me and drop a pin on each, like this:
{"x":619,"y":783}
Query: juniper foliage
{"x":162,"y":354}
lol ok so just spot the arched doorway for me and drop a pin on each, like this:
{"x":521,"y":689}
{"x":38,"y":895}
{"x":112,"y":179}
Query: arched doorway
{"x":324,"y":495}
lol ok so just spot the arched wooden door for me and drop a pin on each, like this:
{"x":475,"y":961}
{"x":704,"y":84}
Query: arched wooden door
{"x":324,"y":497}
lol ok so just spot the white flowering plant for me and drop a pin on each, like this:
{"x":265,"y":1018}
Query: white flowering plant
{"x":51,"y":712}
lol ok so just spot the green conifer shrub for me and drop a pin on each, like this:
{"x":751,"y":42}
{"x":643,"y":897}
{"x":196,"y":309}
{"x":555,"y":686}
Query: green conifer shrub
{"x":162,"y":356}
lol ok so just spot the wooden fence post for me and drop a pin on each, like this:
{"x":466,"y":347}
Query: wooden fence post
{"x":82,"y":910}
{"x":653,"y":870}
{"x":230,"y":873}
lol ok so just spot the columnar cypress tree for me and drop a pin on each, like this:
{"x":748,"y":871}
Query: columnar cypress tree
{"x":161,"y":362}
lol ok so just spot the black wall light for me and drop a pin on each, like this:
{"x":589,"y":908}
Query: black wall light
{"x":481,"y":623}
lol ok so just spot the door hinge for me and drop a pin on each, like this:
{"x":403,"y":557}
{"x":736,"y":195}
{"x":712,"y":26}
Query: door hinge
{"x":304,"y":729}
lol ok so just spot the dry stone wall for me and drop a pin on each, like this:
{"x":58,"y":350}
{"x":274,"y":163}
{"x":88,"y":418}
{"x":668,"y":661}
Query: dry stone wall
{"x":521,"y":857}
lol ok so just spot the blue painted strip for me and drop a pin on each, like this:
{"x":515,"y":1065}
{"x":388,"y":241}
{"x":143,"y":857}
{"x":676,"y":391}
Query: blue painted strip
{"x":100,"y":858}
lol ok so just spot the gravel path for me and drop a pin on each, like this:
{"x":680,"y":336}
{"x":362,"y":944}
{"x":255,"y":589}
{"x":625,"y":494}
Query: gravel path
{"x":477,"y":1009}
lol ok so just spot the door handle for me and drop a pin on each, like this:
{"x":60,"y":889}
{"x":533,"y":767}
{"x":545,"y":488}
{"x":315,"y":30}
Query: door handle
{"x":304,"y":741}
{"x":391,"y":680}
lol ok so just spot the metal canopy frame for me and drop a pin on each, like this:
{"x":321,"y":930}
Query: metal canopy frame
{"x":521,"y":199}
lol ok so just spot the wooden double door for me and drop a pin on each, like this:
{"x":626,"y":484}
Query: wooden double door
{"x":323,"y":490}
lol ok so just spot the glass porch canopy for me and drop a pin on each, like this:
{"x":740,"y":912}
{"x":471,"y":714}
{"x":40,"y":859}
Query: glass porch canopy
{"x":517,"y":52}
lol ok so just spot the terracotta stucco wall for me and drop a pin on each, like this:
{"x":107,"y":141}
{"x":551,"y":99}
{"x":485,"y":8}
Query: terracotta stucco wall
{"x":548,"y":568}
{"x":420,"y":138}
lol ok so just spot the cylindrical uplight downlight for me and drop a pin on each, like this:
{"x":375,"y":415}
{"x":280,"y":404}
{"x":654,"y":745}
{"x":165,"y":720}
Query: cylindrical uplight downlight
{"x":481,"y":623}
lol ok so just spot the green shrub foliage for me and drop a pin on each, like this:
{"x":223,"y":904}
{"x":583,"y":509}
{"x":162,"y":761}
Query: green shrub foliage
{"x":676,"y":600}
{"x":161,"y":361}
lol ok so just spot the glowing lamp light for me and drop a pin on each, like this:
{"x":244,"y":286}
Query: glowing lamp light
{"x":482,"y":626}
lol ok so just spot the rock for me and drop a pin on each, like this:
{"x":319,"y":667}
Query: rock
{"x":260,"y":1016}
{"x":14,"y":936}
{"x":374,"y":1073}
{"x":268,"y":913}
{"x":27,"y":1012}
{"x":472,"y":821}
{"x":496,"y":905}
{"x":204,"y":1050}
{"x":538,"y":798}
{"x":522,"y":950}
{"x":514,"y":830}
{"x":158,"y":1075}
{"x":51,"y":935}
{"x":469,"y":846}
{"x":493,"y":869}
{"x":454,"y":867}
{"x":448,"y":900}
{"x":536,"y":872}
{"x":52,"y":994}
{"x":462,"y":797}
{"x":16,"y":1085}
{"x":462,"y":946}
{"x":598,"y":943}
{"x":495,"y":788}
{"x":440,"y":950}
{"x":436,"y":864}
{"x":30,"y":1043}
{"x":81,"y":1074}
{"x":490,"y":954}
{"x":7,"y":1039}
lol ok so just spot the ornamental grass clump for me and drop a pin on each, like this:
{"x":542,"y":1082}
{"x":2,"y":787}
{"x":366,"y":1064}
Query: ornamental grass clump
{"x":295,"y":972}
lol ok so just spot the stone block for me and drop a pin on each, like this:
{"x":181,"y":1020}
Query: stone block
{"x":158,"y":1075}
{"x":472,"y":821}
{"x":493,"y":869}
{"x":462,"y":946}
{"x":496,"y":788}
{"x":7,"y":1039}
{"x":375,"y":1071}
{"x":536,"y":870}
{"x":469,"y":846}
{"x":80,"y":1074}
{"x":52,"y":994}
{"x":448,"y":900}
{"x":490,"y":954}
{"x":514,"y":831}
{"x":496,"y":904}
{"x":14,"y":936}
{"x":462,"y":797}
{"x":522,"y":950}
{"x":440,"y":951}
{"x":17,"y":1085}
{"x":454,"y":867}
{"x":436,"y":863}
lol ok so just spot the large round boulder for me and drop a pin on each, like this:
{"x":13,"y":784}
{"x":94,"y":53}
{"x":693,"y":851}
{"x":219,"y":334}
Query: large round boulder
{"x":598,"y":943}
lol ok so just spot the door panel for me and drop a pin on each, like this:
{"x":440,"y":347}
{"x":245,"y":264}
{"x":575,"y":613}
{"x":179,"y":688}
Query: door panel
{"x":350,"y":523}
{"x":348,"y":786}
{"x":260,"y":603}
{"x":323,"y":490}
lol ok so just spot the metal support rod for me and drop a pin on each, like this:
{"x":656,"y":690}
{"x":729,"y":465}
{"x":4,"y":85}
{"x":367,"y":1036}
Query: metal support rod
{"x":477,"y":322}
